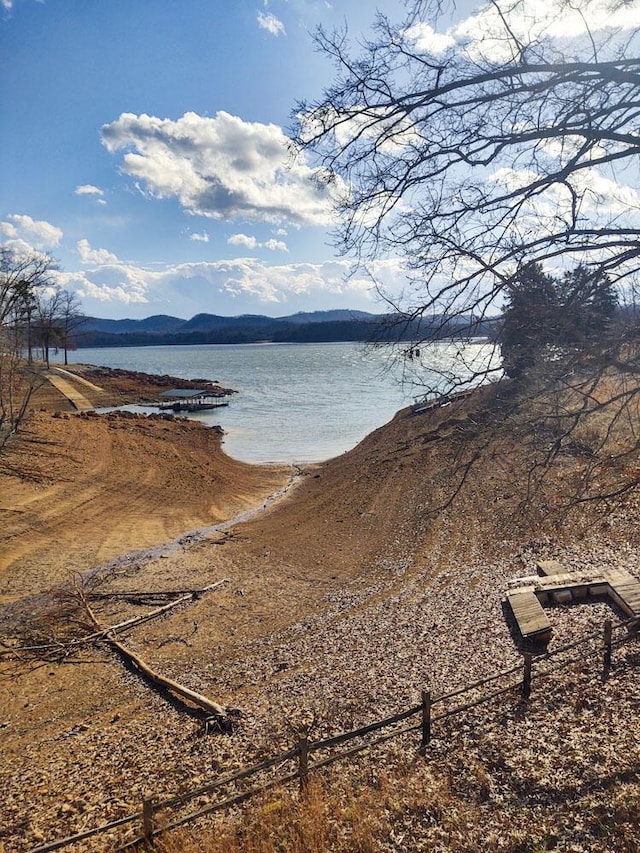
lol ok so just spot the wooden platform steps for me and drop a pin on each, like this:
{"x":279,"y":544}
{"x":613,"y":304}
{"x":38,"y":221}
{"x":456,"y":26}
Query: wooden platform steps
{"x":555,"y":584}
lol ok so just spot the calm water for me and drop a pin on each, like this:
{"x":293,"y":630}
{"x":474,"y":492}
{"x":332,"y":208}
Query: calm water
{"x":296,"y":402}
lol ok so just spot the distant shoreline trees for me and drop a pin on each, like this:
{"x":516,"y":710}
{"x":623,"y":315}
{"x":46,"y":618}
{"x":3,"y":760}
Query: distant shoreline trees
{"x":34,"y":313}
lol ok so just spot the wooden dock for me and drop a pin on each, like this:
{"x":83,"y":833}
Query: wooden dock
{"x":555,"y":584}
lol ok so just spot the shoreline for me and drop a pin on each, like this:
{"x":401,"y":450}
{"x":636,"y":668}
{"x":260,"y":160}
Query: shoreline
{"x":81,"y":489}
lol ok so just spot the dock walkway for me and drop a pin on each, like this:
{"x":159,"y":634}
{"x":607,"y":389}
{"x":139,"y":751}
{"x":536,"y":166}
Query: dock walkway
{"x":77,"y":400}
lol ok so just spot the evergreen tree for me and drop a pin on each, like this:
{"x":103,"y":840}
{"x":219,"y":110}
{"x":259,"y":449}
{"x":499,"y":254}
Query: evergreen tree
{"x":530,"y":319}
{"x":589,"y":302}
{"x":543,"y":314}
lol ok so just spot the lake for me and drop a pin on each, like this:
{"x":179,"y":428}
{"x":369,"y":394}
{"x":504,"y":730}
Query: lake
{"x":296,"y":403}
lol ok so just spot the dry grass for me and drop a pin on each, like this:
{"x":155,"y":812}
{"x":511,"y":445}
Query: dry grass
{"x":424,"y":809}
{"x":329,"y":816}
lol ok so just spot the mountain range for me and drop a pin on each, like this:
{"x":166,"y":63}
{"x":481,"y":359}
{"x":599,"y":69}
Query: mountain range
{"x":315,"y":326}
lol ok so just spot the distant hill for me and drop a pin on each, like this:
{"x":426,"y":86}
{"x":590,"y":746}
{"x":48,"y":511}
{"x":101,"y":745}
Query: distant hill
{"x":338,"y":315}
{"x":303,"y":327}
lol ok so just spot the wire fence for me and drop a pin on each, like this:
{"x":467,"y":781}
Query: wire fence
{"x":297,"y":763}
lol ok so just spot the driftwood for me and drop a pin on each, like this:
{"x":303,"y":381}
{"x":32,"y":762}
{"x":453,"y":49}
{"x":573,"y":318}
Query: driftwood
{"x":208,"y":705}
{"x":152,"y":593}
{"x":63,"y":646}
{"x":153,"y":614}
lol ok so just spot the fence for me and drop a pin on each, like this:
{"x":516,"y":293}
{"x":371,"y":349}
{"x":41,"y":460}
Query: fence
{"x":546,"y":665}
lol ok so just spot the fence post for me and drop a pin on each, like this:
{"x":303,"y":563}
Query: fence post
{"x":303,"y":762}
{"x":526,"y":675}
{"x":426,"y":721}
{"x":147,"y":819}
{"x":607,"y":648}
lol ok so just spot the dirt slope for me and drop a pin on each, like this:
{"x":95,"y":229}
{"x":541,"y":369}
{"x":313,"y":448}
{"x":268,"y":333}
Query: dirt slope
{"x":77,"y":491}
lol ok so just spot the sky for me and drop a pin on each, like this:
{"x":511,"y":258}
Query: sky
{"x":144,"y":147}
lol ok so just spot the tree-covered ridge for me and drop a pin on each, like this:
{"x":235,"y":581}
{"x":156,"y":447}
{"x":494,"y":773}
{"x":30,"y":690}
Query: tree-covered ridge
{"x":315,"y":327}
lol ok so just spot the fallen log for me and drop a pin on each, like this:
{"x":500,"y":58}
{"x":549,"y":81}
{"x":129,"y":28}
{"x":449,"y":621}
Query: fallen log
{"x":151,"y":593}
{"x":208,"y":705}
{"x":212,"y":708}
{"x":153,"y":614}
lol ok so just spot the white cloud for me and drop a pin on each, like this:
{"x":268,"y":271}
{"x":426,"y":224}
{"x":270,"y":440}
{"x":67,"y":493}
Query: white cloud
{"x":107,"y":285}
{"x":237,"y":285}
{"x":95,"y":257}
{"x":426,"y":39}
{"x":274,"y":284}
{"x":243,"y":240}
{"x":276,"y":245}
{"x":36,"y":232}
{"x":221,"y":167}
{"x":200,"y":238}
{"x":88,"y":189}
{"x":270,"y":23}
{"x":484,"y":33}
{"x":227,"y":286}
{"x":248,"y":242}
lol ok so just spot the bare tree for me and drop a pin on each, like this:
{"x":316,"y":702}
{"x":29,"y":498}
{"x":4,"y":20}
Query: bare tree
{"x":70,"y":316}
{"x":472,"y":149}
{"x":48,"y":308}
{"x":22,"y":277}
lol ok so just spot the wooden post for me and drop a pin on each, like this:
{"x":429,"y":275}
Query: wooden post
{"x":426,"y":721}
{"x":607,"y":648}
{"x":147,"y":819}
{"x":526,"y":675}
{"x":303,"y":762}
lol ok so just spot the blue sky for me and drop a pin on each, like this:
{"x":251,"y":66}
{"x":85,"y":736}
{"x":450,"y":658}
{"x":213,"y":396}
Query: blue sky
{"x":142,"y":145}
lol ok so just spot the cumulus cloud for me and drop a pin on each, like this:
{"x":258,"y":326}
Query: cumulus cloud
{"x":117,"y":285}
{"x":88,"y":189}
{"x":35,"y":232}
{"x":248,"y":242}
{"x":426,"y":39}
{"x":220,"y":167}
{"x":243,"y":240}
{"x":226,"y":286}
{"x":94,"y":257}
{"x":200,"y":238}
{"x":276,"y":245}
{"x":274,"y":284}
{"x":269,"y":22}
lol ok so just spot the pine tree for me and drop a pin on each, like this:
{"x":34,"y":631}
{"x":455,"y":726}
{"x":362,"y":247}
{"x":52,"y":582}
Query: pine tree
{"x":530,"y":319}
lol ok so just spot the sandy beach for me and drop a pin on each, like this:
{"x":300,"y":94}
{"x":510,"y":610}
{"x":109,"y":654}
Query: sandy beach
{"x":345,"y":595}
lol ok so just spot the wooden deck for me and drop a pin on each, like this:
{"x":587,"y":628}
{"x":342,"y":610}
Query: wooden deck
{"x":533,"y":622}
{"x":562,"y":587}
